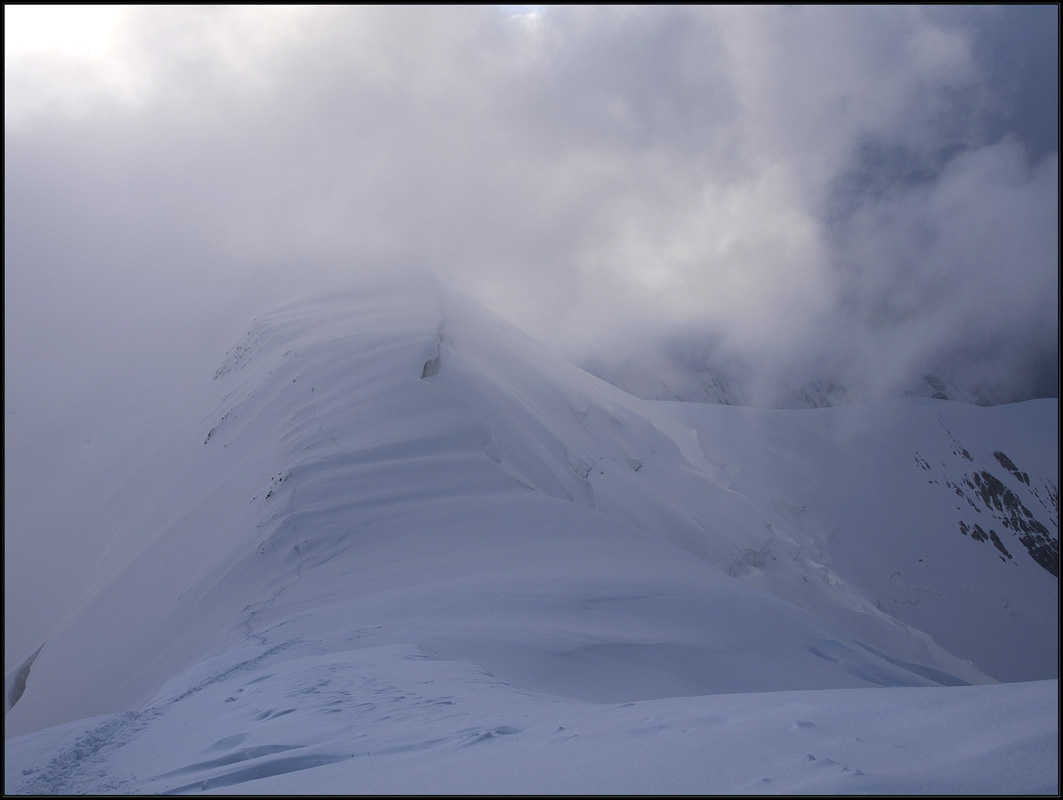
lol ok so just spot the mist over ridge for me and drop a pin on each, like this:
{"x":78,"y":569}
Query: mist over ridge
{"x":866,"y":195}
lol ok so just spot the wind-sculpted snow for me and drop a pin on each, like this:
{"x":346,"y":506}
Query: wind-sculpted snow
{"x":408,"y":536}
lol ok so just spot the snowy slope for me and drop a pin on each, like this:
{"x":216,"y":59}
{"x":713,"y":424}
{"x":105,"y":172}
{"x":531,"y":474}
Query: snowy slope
{"x":884,"y":499}
{"x":399,"y":719}
{"x":408,"y":530}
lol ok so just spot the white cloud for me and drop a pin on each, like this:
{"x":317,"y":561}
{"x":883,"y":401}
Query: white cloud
{"x":585,"y":172}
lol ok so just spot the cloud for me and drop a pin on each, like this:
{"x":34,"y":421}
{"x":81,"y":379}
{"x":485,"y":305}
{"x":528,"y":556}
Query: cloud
{"x":864,"y":191}
{"x":955,"y":270}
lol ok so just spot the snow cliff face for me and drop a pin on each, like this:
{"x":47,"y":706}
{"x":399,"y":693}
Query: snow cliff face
{"x":401,"y":469}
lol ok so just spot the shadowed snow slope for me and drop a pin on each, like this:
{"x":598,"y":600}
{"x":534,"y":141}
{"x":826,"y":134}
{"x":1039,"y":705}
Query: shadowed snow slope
{"x":403,"y":505}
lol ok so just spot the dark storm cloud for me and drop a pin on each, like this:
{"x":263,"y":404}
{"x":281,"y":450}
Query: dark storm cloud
{"x":861,"y":191}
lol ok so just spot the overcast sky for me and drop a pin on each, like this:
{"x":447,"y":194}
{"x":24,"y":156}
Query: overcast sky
{"x":867,"y":191}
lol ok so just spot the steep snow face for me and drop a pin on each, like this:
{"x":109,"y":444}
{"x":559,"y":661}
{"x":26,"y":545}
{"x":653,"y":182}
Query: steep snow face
{"x":838,"y":511}
{"x":400,"y":468}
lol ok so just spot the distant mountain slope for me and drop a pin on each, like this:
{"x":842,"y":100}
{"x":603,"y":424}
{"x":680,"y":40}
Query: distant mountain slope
{"x":731,"y":381}
{"x":885,"y":499}
{"x":401,"y":468}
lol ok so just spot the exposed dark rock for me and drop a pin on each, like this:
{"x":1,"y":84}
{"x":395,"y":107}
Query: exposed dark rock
{"x":18,"y":685}
{"x":1009,"y":465}
{"x":999,"y":545}
{"x":1031,"y":533}
{"x":1006,"y":506}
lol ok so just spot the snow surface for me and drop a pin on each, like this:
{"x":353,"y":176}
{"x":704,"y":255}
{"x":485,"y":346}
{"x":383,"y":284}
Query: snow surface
{"x":413,"y":551}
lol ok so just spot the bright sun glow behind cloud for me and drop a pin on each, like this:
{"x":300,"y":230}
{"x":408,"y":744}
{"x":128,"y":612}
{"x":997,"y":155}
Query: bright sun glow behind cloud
{"x":62,"y":53}
{"x":86,"y":31}
{"x":70,"y":58}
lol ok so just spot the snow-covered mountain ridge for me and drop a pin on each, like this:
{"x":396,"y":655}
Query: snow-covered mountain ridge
{"x":397,"y":489}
